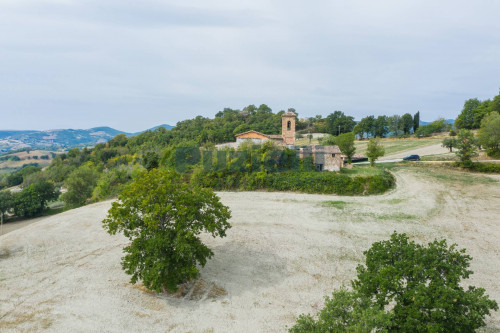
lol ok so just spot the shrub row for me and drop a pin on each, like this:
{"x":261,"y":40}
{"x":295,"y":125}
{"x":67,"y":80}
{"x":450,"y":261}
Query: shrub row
{"x":485,"y":167}
{"x":306,"y":182}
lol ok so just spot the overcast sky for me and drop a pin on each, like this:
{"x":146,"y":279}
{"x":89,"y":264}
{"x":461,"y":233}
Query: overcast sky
{"x":132,"y":65}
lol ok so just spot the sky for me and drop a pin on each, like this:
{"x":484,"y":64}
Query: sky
{"x":132,"y":65}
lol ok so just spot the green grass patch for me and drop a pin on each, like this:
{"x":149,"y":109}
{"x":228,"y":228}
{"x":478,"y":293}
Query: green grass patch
{"x":396,"y":216}
{"x":394,"y":201}
{"x":335,"y":204}
{"x":393,"y":146}
{"x":362,"y":170}
{"x":440,"y":157}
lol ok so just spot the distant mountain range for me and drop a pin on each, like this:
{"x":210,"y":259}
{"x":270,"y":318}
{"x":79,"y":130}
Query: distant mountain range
{"x":447,"y":121}
{"x":61,"y":138}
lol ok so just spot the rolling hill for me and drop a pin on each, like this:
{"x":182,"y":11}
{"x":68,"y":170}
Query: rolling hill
{"x":59,"y":138}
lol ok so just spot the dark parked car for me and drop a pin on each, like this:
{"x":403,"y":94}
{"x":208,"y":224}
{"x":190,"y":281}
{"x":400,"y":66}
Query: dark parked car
{"x":411,"y":158}
{"x":357,"y":159}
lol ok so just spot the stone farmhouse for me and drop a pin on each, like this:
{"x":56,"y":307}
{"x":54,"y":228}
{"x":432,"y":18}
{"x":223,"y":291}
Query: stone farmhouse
{"x":326,"y":158}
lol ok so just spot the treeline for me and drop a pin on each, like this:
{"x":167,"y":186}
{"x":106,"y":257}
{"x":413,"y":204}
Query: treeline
{"x":475,"y":110}
{"x":203,"y":131}
{"x":383,"y":125}
{"x":368,"y":127}
{"x":467,"y":143}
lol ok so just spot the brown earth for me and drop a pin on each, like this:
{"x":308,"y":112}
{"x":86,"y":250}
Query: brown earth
{"x":285,"y":252}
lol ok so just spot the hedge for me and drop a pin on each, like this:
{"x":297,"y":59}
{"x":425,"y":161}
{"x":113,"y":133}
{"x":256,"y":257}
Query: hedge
{"x":484,"y":167}
{"x":306,"y":182}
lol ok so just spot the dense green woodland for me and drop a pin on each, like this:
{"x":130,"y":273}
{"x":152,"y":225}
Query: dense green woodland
{"x":475,"y":110}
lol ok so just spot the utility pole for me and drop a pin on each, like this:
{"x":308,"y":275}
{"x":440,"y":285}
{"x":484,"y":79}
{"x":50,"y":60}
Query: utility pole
{"x":339,"y":130}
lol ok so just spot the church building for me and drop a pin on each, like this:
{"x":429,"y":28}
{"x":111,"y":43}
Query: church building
{"x":286,"y":138}
{"x":326,"y":158}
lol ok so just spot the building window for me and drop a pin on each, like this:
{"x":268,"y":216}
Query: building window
{"x":289,"y":125}
{"x":319,"y":167}
{"x":333,"y":155}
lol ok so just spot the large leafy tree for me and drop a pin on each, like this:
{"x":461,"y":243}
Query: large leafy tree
{"x":466,"y":118}
{"x":338,"y":123}
{"x":481,"y":111}
{"x":405,"y":287}
{"x":163,"y":216}
{"x":407,"y":123}
{"x":424,"y":285}
{"x":395,"y":124}
{"x":33,"y":199}
{"x":449,"y":143}
{"x":380,"y":129}
{"x":46,"y":192}
{"x":346,"y":145}
{"x":80,"y":184}
{"x":366,"y":125}
{"x":489,"y":134}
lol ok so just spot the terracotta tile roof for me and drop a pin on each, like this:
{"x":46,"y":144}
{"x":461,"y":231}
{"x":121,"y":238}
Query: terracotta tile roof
{"x":252,"y":131}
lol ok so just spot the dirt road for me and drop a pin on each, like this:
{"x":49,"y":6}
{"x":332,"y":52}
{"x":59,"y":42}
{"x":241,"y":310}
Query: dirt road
{"x":285,"y":252}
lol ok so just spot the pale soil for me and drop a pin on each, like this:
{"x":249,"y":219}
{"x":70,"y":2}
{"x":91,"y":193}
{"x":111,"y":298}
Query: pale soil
{"x":285,"y":252}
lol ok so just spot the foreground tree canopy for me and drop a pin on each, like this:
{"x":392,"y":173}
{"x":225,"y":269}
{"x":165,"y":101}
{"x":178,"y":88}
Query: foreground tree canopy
{"x":163,"y":217}
{"x":405,"y":287}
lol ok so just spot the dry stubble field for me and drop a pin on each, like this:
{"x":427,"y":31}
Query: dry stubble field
{"x":283,"y":254}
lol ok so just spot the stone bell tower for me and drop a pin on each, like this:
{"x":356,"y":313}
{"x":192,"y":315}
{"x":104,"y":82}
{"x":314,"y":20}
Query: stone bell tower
{"x":288,"y":128}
